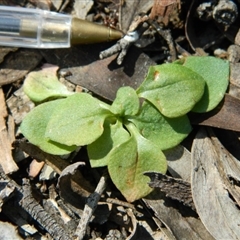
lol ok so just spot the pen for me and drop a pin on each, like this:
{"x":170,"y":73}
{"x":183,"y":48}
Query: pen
{"x":36,"y":28}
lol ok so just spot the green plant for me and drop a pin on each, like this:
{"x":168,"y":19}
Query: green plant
{"x":128,"y":136}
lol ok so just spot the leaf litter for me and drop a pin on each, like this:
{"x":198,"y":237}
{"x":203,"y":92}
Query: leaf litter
{"x":168,"y":213}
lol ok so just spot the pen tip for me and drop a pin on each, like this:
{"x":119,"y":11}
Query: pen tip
{"x":84,"y":32}
{"x":114,"y":34}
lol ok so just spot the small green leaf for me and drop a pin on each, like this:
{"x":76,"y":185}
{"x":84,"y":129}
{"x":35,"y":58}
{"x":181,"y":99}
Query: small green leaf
{"x":172,"y":88}
{"x":215,"y":72}
{"x":34,"y":125}
{"x":43,"y":85}
{"x":164,"y":132}
{"x":126,"y":102}
{"x":113,"y":135}
{"x":78,"y":121}
{"x":129,"y":160}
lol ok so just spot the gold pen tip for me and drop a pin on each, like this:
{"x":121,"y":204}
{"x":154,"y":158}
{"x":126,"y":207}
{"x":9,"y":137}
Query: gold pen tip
{"x":114,"y":34}
{"x":84,"y":32}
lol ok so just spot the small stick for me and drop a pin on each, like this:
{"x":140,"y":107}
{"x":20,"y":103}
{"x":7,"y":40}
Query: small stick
{"x":167,"y":36}
{"x":120,"y":203}
{"x":29,"y":204}
{"x":90,"y":207}
{"x":122,"y":46}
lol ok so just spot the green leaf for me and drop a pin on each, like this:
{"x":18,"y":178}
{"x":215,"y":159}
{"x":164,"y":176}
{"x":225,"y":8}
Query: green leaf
{"x":215,"y":72}
{"x":78,"y":121}
{"x":113,"y":135}
{"x":129,"y":160}
{"x":126,"y":102}
{"x":43,"y":85}
{"x":34,"y":125}
{"x":172,"y":88}
{"x":164,"y":132}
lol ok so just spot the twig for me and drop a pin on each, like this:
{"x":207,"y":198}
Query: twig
{"x":120,"y":203}
{"x":167,"y":36}
{"x":129,"y":39}
{"x":90,"y":207}
{"x":29,"y":204}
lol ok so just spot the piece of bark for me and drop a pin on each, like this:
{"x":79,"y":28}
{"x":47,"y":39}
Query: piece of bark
{"x":3,"y":108}
{"x":210,"y":191}
{"x":102,"y":77}
{"x":6,"y":191}
{"x":182,"y":222}
{"x":8,"y":164}
{"x":233,"y":52}
{"x":18,"y":64}
{"x":234,"y":90}
{"x":6,"y":159}
{"x":11,"y":128}
{"x":228,"y":167}
{"x":40,"y":215}
{"x":174,"y":188}
{"x":235,"y":74}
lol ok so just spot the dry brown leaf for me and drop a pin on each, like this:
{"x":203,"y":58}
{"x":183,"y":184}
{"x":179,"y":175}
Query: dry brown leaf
{"x":69,"y":190}
{"x":18,"y":64}
{"x":216,"y":209}
{"x":103,"y":77}
{"x":225,"y":115}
